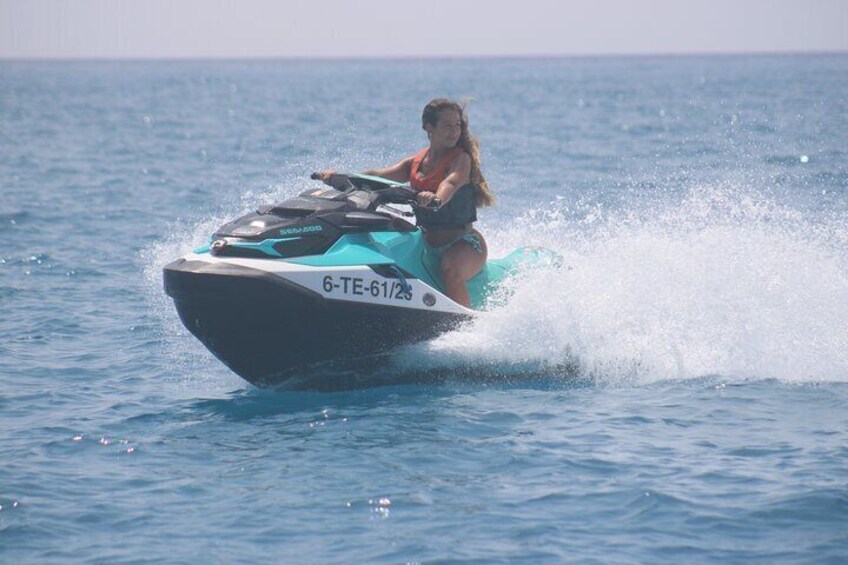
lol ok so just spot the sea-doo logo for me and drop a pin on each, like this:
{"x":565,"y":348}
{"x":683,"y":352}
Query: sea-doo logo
{"x":300,"y":230}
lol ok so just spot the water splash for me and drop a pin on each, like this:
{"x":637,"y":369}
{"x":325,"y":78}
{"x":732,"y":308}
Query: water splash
{"x":723,"y":282}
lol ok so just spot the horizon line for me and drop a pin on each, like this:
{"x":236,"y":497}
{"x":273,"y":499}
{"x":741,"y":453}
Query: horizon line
{"x":413,"y":57}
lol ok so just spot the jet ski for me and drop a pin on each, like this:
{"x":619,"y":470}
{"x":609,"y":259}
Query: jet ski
{"x":334,"y":275}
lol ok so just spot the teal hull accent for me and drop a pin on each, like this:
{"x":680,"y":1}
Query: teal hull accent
{"x":483,"y":285}
{"x":409,"y":252}
{"x":405,"y":250}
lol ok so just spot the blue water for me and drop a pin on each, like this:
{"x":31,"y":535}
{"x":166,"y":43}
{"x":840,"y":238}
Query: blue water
{"x":677,"y":392}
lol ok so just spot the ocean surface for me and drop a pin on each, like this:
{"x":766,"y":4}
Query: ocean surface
{"x":701,"y":208}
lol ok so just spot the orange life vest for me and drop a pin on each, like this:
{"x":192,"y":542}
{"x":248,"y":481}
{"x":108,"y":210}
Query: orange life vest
{"x":431,"y":181}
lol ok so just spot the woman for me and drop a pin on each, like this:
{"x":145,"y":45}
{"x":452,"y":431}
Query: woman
{"x":448,"y":177}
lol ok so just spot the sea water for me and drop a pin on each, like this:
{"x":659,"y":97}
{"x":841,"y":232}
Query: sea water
{"x":675,"y":392}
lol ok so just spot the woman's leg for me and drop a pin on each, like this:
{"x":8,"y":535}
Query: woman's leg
{"x":461,"y":261}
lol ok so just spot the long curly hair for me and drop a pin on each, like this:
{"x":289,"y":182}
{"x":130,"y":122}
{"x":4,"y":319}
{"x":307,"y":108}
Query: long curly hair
{"x":468,"y":142}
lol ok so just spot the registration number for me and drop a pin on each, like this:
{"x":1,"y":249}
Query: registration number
{"x":355,"y":286}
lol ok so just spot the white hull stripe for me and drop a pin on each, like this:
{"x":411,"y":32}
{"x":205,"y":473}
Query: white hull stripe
{"x":349,"y":284}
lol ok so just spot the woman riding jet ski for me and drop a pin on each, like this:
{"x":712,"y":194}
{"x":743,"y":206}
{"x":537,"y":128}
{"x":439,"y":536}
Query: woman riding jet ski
{"x":447,"y":175}
{"x":336,"y":275}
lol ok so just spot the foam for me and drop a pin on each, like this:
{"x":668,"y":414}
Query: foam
{"x":724,"y":282}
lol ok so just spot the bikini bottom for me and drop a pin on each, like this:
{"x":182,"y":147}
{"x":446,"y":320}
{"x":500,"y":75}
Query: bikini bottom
{"x":472,"y":238}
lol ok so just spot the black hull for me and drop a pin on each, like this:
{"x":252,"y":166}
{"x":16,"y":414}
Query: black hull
{"x":271,"y":332}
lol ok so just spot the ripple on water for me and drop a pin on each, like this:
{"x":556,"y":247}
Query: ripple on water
{"x":13,"y":220}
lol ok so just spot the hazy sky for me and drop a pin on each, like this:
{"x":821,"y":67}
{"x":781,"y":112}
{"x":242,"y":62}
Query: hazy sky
{"x":390,"y":28}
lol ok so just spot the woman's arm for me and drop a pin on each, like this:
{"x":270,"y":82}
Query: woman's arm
{"x":398,"y":172}
{"x":458,"y":175}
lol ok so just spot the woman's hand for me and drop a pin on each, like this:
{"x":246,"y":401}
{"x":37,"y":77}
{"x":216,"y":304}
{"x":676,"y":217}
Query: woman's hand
{"x":427,"y":198}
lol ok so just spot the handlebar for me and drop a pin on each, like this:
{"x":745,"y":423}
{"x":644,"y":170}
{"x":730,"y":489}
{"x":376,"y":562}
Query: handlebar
{"x":394,"y":192}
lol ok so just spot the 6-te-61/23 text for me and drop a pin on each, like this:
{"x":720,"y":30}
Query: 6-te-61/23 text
{"x":356,"y":286}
